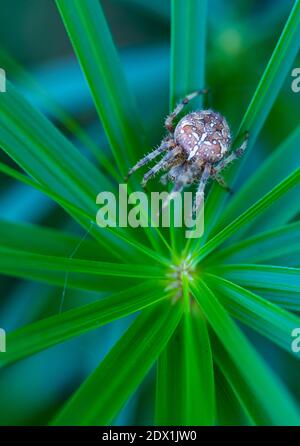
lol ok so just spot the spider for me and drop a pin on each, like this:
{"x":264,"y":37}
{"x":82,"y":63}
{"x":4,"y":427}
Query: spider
{"x":196,"y":150}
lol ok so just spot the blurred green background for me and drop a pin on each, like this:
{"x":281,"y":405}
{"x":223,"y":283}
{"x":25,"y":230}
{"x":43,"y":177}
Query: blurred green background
{"x":241,"y":38}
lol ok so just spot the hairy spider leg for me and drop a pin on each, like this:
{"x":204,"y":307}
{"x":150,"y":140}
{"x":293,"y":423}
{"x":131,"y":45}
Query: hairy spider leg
{"x":169,"y":122}
{"x":172,"y":174}
{"x":233,"y":156}
{"x":162,"y":164}
{"x":220,"y":180}
{"x":164,"y":178}
{"x":182,"y":180}
{"x":199,"y":199}
{"x":149,"y":157}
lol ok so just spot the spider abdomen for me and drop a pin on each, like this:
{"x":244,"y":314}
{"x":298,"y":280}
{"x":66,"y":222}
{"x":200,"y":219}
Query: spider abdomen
{"x":204,"y":136}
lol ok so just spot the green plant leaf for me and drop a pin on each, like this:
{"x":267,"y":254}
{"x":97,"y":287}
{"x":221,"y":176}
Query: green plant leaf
{"x":277,"y":166}
{"x":281,"y":284}
{"x":45,"y":154}
{"x":274,"y":75}
{"x":259,"y":314}
{"x":187,"y":72}
{"x":185,"y":383}
{"x":55,"y":164}
{"x":96,"y":52}
{"x":102,"y":395}
{"x":276,"y":405}
{"x":264,"y":247}
{"x":122,"y":242}
{"x":42,"y":240}
{"x":56,"y":329}
{"x":55,"y":110}
{"x":259,"y":108}
{"x":153,"y":234}
{"x":256,"y":209}
{"x":188,"y":43}
{"x":52,"y":269}
{"x":229,"y":409}
{"x":241,"y":387}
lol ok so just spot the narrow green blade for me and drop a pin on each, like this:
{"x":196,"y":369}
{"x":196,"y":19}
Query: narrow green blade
{"x":102,"y":395}
{"x":53,"y":269}
{"x":262,"y":276}
{"x":187,"y":74}
{"x":256,"y":209}
{"x":56,"y":329}
{"x":47,"y":241}
{"x":45,"y":154}
{"x":275,"y":74}
{"x":241,"y":387}
{"x":185,"y":383}
{"x":55,"y":110}
{"x":188,"y":43}
{"x":268,"y":319}
{"x":52,"y":161}
{"x":229,"y":409}
{"x":96,"y":52}
{"x":276,"y":405}
{"x":108,"y":237}
{"x":264,"y":247}
{"x":89,"y":33}
{"x":277,"y":166}
{"x":278,"y":284}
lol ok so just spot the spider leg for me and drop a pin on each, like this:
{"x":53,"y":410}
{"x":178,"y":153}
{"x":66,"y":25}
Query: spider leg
{"x":233,"y":156}
{"x":149,"y":157}
{"x":222,"y":183}
{"x":169,"y":122}
{"x":176,"y":171}
{"x":201,"y":186}
{"x":164,"y":179}
{"x":182,"y":180}
{"x":162,"y":164}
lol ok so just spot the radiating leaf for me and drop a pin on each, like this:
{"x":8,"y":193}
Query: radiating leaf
{"x":188,"y":43}
{"x":278,"y":165}
{"x":252,"y":212}
{"x":259,"y":108}
{"x":108,"y":236}
{"x":47,"y":332}
{"x":229,"y":409}
{"x":48,"y":157}
{"x":53,"y":269}
{"x":268,"y":319}
{"x":275,"y":404}
{"x":45,"y":154}
{"x":240,"y":386}
{"x":102,"y":395}
{"x":96,"y":52}
{"x":187,"y":73}
{"x":281,"y":285}
{"x":185,"y":383}
{"x":55,"y":110}
{"x":47,"y":241}
{"x":263,"y":247}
